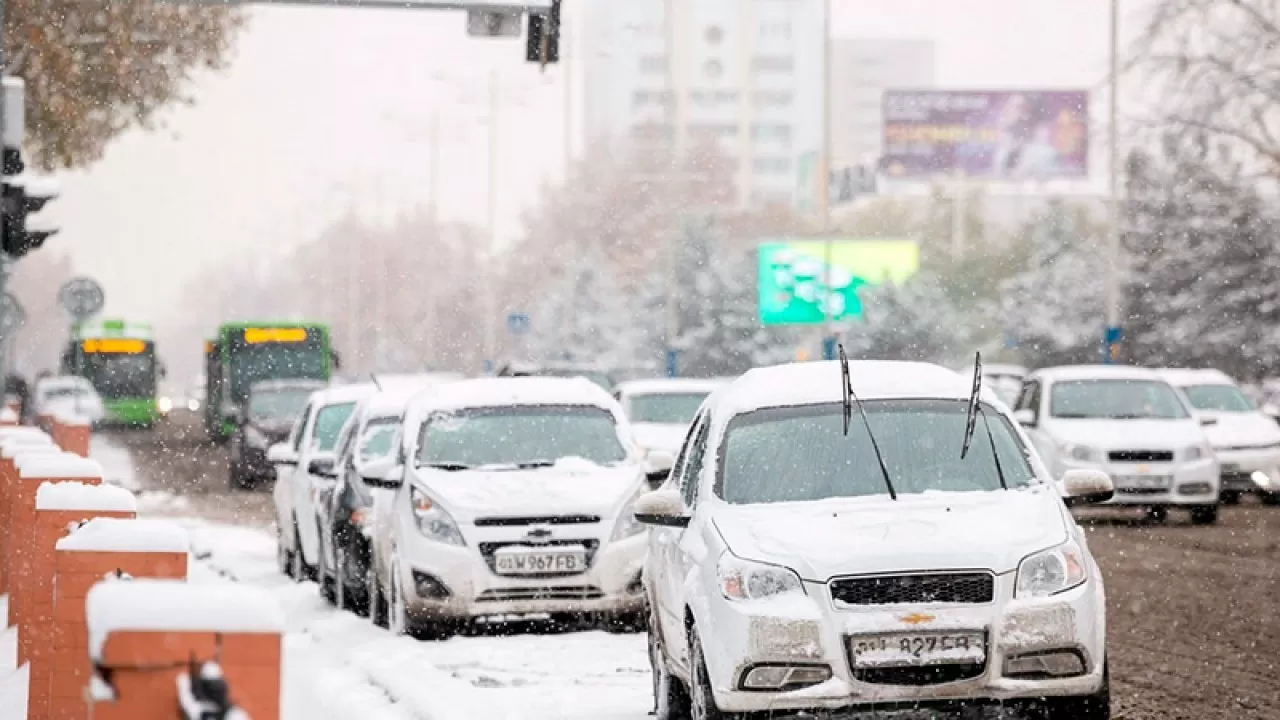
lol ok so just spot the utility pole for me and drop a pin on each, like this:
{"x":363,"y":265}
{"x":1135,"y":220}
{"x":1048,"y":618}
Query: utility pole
{"x":1112,"y":333}
{"x":824,"y":190}
{"x":5,"y":263}
{"x":491,"y":284}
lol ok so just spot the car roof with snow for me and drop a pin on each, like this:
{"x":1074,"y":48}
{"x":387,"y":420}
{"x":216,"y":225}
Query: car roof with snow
{"x":1095,"y":372}
{"x":343,"y":394}
{"x":392,"y":401}
{"x":63,"y":381}
{"x":1182,"y":377}
{"x":815,"y":383}
{"x":656,"y":386}
{"x":506,"y":391}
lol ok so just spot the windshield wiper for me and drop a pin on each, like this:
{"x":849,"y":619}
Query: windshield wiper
{"x":849,"y":398}
{"x":971,"y":419}
{"x":447,"y":466}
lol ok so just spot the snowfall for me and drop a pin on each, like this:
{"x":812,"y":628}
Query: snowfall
{"x":338,"y":665}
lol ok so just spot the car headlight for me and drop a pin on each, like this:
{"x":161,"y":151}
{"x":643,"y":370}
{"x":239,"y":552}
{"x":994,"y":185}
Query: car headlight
{"x":1197,"y":452}
{"x":254,"y":437}
{"x":1051,"y":571}
{"x":749,"y":580}
{"x":627,"y":526}
{"x":1081,"y":453}
{"x":432,"y":520}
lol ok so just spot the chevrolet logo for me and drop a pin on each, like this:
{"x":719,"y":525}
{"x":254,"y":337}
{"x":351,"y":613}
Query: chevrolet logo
{"x":538,"y":535}
{"x":917,"y":618}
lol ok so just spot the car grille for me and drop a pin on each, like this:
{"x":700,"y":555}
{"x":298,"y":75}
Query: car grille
{"x":1141,"y":455}
{"x":932,"y":675}
{"x":566,"y":592}
{"x":1141,"y":491}
{"x":537,"y":520}
{"x":487,"y":549}
{"x":973,"y":588}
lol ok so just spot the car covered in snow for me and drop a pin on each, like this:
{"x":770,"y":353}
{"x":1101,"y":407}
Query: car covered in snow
{"x":661,"y":409}
{"x":831,"y":543}
{"x":512,"y":496}
{"x":1130,"y":423}
{"x":1004,"y":380}
{"x":1245,"y":440}
{"x":67,"y":395}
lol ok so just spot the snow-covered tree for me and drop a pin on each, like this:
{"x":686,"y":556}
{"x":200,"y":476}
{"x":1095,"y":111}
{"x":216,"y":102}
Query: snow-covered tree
{"x":914,"y":320}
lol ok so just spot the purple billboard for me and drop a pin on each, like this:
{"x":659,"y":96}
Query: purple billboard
{"x":990,"y":135}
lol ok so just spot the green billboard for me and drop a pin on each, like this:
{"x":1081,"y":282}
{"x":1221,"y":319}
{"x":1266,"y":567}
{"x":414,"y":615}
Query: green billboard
{"x":793,"y":272}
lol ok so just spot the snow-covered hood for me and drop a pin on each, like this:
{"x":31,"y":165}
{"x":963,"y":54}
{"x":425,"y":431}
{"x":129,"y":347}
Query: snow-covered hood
{"x":571,"y":490}
{"x":665,"y":436}
{"x":1108,"y":435}
{"x":1241,"y":430}
{"x":935,"y":531}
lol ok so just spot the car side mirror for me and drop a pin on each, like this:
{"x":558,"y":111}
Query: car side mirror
{"x":661,"y":507}
{"x":281,"y":454}
{"x":1025,"y":417}
{"x":1086,"y":487}
{"x":323,"y":466}
{"x":658,"y":464}
{"x":383,"y":474}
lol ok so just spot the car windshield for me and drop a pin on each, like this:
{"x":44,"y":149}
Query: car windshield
{"x":1219,"y":398}
{"x":378,"y":438}
{"x":674,"y":408}
{"x":520,"y":436}
{"x":282,"y":404}
{"x":919,"y":439}
{"x":1115,"y":400}
{"x":64,"y":391}
{"x":328,"y":424}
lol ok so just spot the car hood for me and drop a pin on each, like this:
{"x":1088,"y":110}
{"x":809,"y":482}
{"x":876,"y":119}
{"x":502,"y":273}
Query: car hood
{"x":931,"y":531}
{"x":665,"y":436}
{"x":527,"y":493}
{"x":1130,"y":434}
{"x":1241,"y":430}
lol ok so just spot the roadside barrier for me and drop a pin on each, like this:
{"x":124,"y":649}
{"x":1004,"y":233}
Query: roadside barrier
{"x":145,"y":635}
{"x":101,"y":550}
{"x":71,"y":433}
{"x":59,"y":507}
{"x":13,"y":440}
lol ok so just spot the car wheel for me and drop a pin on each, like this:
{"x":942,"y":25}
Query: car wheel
{"x":622,"y":623}
{"x":1270,"y":498}
{"x":1158,"y":515}
{"x":284,"y":556}
{"x":351,"y":597}
{"x":377,"y":598}
{"x":1204,"y":515}
{"x":702,"y":702}
{"x":670,"y":698}
{"x":324,"y":578}
{"x":301,"y":570}
{"x":236,"y":479}
{"x":1230,"y":497}
{"x":1088,"y":707}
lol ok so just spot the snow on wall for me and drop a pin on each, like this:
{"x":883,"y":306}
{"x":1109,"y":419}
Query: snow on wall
{"x":8,"y":415}
{"x":81,"y":496}
{"x":13,"y":444}
{"x":20,"y":431}
{"x":157,"y":605}
{"x":71,"y":418}
{"x":66,"y":465}
{"x":27,"y":453}
{"x":125,"y":535}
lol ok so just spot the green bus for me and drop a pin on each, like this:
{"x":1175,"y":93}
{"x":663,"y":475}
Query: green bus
{"x":244,"y":353}
{"x":119,"y":359}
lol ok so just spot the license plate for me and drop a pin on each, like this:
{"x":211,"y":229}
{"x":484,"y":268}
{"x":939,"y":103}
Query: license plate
{"x":1143,"y":482}
{"x":918,"y":649}
{"x":1231,"y":468}
{"x":525,"y":562}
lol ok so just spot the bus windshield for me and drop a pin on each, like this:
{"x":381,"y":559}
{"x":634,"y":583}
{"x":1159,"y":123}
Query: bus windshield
{"x":121,"y":375}
{"x":274,"y":361}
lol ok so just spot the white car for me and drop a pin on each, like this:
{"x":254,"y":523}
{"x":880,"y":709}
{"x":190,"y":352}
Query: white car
{"x":660,"y":410}
{"x":1130,"y":423}
{"x":1004,"y":380}
{"x":796,"y":568}
{"x":68,"y":394}
{"x":1246,"y":441}
{"x":513,"y":497}
{"x":304,"y":467}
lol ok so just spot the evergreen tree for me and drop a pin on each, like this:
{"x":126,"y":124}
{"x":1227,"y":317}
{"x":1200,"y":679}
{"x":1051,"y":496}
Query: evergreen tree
{"x":912,"y":321}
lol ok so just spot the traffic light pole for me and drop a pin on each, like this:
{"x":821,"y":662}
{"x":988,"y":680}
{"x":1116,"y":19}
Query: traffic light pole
{"x":5,"y":264}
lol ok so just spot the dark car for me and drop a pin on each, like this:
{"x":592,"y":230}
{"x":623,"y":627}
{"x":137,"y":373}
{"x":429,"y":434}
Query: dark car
{"x":266,"y":419}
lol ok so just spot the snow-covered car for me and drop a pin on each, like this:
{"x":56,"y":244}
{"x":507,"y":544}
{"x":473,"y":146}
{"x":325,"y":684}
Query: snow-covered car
{"x":822,"y":552}
{"x":1246,"y":441}
{"x":1004,"y":380}
{"x":67,"y":395}
{"x":1130,"y":423}
{"x":660,"y":410}
{"x":513,"y":496}
{"x":304,"y":467}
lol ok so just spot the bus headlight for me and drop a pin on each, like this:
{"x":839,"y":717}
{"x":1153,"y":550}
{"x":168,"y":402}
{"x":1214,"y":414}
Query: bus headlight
{"x":164,"y":405}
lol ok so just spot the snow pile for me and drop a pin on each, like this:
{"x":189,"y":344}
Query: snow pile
{"x":81,"y":496}
{"x":150,"y":605}
{"x":126,"y":535}
{"x":26,"y":453}
{"x":13,"y":431}
{"x":65,"y":465}
{"x":14,"y":444}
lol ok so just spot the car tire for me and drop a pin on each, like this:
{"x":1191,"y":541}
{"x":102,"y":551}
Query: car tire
{"x":284,"y":556}
{"x":1204,"y":515}
{"x":324,"y":579}
{"x":1230,"y":497}
{"x":377,"y":598}
{"x":1270,"y":498}
{"x":1087,"y":707}
{"x":301,"y":570}
{"x":1158,"y":515}
{"x":347,"y":597}
{"x":702,"y":702}
{"x":670,"y":697}
{"x":624,"y":623}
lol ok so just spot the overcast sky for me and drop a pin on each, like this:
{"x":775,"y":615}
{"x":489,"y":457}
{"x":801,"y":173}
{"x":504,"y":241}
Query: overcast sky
{"x":326,"y":109}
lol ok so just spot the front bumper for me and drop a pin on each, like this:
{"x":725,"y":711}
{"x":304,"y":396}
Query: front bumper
{"x":1196,"y":482}
{"x":812,"y":631}
{"x":446,"y":581}
{"x":1238,"y":466}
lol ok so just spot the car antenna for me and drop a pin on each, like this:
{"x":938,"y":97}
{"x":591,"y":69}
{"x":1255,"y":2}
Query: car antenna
{"x":376,"y":384}
{"x":971,"y":418}
{"x":850,"y":399}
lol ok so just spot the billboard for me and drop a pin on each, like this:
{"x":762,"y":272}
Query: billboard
{"x":792,"y":274}
{"x":986,"y":134}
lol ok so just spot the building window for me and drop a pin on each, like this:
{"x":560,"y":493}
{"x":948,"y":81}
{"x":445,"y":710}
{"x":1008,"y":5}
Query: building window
{"x":775,"y":30}
{"x":771,"y":131}
{"x":772,"y":98}
{"x":653,"y":64}
{"x":714,"y":34}
{"x":713,"y":68}
{"x":645,"y":98}
{"x":716,"y":130}
{"x":707,"y":98}
{"x":770,"y":197}
{"x":771,"y":64}
{"x":771,"y":165}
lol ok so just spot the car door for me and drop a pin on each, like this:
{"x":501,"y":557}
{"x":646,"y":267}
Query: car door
{"x":689,"y":550}
{"x":385,"y":503}
{"x":283,"y":491}
{"x":326,"y":509}
{"x":664,"y":542}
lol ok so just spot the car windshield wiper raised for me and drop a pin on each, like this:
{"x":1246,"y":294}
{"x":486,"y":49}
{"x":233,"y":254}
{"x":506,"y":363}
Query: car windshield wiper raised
{"x":971,"y":418}
{"x":446,"y":466}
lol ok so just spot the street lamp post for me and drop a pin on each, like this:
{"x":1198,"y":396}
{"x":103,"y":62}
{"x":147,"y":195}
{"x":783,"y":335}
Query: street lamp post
{"x":824,"y":189}
{"x":1112,"y":333}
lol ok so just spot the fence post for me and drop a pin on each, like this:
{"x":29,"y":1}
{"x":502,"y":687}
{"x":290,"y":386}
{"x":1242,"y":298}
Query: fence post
{"x":102,"y":548}
{"x":144,"y":634}
{"x":71,"y":433}
{"x":11,"y":442}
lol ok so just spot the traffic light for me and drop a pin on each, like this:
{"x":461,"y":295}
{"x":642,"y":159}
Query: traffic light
{"x":543,"y":42}
{"x":22,"y":196}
